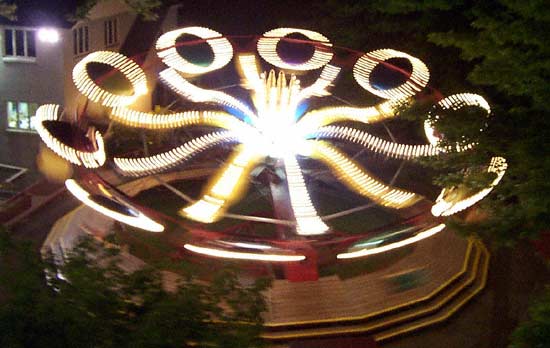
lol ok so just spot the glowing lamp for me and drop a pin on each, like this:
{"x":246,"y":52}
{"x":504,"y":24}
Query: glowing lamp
{"x":48,"y":35}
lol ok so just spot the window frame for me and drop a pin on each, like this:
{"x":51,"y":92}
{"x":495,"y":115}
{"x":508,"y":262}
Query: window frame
{"x":81,"y":40}
{"x":29,"y":118}
{"x":110,"y":32}
{"x":26,"y":57}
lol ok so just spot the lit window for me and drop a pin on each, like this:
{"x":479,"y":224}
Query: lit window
{"x":81,"y":40}
{"x":110,"y":32}
{"x":19,"y":43}
{"x":21,"y":115}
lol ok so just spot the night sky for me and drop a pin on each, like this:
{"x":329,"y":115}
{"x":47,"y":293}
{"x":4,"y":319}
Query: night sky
{"x":44,"y":12}
{"x":236,"y":17}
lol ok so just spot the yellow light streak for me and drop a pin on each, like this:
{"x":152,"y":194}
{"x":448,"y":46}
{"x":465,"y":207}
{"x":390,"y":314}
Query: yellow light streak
{"x":151,"y":120}
{"x":225,"y":189}
{"x":248,"y":69}
{"x":420,"y":236}
{"x":221,"y":48}
{"x":244,"y":255}
{"x":325,"y":116}
{"x":139,"y":221}
{"x":365,"y":65}
{"x":319,"y":87}
{"x":123,"y":64}
{"x":308,"y":221}
{"x":359,"y":180}
{"x":95,"y":159}
{"x":148,"y":165}
{"x":267,"y":48}
{"x":444,"y":207}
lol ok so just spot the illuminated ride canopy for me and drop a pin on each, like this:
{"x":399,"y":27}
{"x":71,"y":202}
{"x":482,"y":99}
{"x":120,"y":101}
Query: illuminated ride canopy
{"x":271,"y":128}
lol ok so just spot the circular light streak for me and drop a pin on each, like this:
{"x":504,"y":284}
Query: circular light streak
{"x":445,"y":207}
{"x":94,"y":159}
{"x":365,"y":65}
{"x":221,"y":47}
{"x":455,"y":102}
{"x":138,"y":220}
{"x":267,"y":48}
{"x":365,"y":252}
{"x":130,"y":69}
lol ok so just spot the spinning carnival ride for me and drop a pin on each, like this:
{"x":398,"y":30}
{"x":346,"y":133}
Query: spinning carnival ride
{"x":271,"y":130}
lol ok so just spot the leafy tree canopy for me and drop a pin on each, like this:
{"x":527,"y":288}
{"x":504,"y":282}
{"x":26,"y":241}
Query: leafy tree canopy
{"x":499,"y":49}
{"x":145,"y":8}
{"x":7,"y":10}
{"x":100,"y":305}
{"x":535,"y":332}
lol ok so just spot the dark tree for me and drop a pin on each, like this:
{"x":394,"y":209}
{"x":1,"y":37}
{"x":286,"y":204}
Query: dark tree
{"x":499,"y":49}
{"x":100,"y":305}
{"x":535,"y":332}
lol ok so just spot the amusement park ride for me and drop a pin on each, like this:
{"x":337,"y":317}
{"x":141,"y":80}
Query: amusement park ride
{"x":272,"y":130}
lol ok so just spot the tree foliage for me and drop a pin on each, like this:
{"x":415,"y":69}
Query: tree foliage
{"x":535,"y":332}
{"x":496,"y":48}
{"x":103,"y":306}
{"x":7,"y":10}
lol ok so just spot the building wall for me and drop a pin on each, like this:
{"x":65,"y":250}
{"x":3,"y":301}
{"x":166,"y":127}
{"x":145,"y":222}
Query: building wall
{"x":96,"y":31}
{"x":48,"y":78}
{"x":38,"y":80}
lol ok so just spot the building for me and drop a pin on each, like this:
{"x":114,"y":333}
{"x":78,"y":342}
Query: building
{"x":30,"y":68}
{"x":36,"y":64}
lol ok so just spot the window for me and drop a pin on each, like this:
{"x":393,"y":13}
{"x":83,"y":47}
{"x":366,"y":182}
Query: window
{"x":81,"y":40}
{"x":111,"y":32}
{"x":19,"y":43}
{"x":21,"y":115}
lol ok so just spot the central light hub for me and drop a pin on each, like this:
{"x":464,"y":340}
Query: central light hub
{"x":276,"y":101}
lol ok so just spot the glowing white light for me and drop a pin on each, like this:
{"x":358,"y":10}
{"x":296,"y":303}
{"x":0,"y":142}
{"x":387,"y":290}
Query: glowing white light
{"x":139,"y":221}
{"x":243,"y":255}
{"x":221,"y":48}
{"x":276,"y":102}
{"x":50,"y":112}
{"x":248,"y":245}
{"x":48,"y":35}
{"x":365,"y":252}
{"x":443,"y":207}
{"x":123,"y":64}
{"x":267,"y":48}
{"x":365,"y":65}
